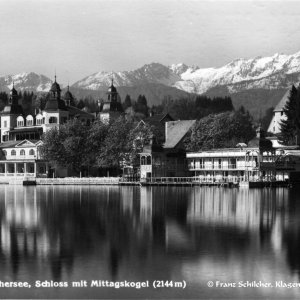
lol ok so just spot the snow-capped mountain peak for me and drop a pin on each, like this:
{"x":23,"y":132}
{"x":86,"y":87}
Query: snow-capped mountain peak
{"x":242,"y":73}
{"x":26,"y":82}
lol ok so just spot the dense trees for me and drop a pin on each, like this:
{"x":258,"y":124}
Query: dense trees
{"x":66,"y":146}
{"x":127,"y":102}
{"x":290,"y":127}
{"x":183,"y":108}
{"x":78,"y":146}
{"x":220,"y":130}
{"x":194,"y":108}
{"x":118,"y":144}
{"x":3,"y":100}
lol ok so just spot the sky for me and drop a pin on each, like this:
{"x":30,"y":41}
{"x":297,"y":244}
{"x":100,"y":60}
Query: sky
{"x":80,"y":37}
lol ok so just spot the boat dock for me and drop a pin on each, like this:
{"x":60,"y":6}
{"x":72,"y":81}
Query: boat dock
{"x":154,"y":181}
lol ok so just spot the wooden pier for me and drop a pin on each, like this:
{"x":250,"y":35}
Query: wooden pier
{"x":185,"y":181}
{"x":153,"y":181}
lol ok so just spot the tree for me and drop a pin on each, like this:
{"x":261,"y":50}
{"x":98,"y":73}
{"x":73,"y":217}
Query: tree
{"x":290,"y":127}
{"x":95,"y":141}
{"x":190,"y":108}
{"x":80,"y":104}
{"x":3,"y":100}
{"x":141,"y":105}
{"x":220,"y":130}
{"x":127,"y":102}
{"x":115,"y":146}
{"x":40,"y":101}
{"x":66,"y":145}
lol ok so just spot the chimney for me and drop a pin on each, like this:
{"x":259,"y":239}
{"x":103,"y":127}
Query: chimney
{"x":167,"y":125}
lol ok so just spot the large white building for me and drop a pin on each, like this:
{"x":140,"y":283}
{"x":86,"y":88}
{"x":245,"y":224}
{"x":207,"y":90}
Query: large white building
{"x":261,"y":160}
{"x":21,"y":134}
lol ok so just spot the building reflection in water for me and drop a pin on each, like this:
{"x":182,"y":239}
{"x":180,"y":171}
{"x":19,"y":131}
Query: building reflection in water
{"x":75,"y":232}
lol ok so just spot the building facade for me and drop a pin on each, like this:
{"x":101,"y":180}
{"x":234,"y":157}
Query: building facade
{"x":260,"y":160}
{"x":169,"y":158}
{"x":21,"y":134}
{"x":111,"y":108}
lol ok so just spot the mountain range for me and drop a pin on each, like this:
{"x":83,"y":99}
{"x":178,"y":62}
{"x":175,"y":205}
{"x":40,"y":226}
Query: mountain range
{"x":257,"y":83}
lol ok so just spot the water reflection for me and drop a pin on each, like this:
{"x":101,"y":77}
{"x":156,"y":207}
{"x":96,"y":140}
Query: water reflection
{"x":116,"y":233}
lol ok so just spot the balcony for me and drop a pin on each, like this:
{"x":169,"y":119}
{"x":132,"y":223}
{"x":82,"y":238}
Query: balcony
{"x":209,"y":167}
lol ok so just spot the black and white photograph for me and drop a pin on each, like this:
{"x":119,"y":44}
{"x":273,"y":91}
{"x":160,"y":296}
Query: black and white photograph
{"x":150,"y":149}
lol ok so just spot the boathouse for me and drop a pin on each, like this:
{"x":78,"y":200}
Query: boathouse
{"x":262,"y":159}
{"x":169,"y":158}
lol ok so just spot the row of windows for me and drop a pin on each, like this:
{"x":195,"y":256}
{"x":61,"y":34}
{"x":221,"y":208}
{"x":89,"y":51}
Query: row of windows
{"x":22,"y":152}
{"x":40,"y":121}
{"x":20,"y":122}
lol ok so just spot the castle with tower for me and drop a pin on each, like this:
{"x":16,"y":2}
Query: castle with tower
{"x":21,"y":134}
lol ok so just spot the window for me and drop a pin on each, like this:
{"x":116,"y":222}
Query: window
{"x":220,"y":163}
{"x":148,"y":160}
{"x":52,"y":120}
{"x":39,"y":121}
{"x":233,"y":163}
{"x":22,"y":152}
{"x":31,"y":152}
{"x":5,"y":153}
{"x":5,"y":123}
{"x":143,"y":160}
{"x":13,"y":152}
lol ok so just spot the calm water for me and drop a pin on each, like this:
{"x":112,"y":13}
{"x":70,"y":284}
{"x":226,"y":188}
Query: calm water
{"x":66,"y":234}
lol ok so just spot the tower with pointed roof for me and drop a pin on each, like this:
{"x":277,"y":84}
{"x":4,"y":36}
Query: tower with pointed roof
{"x":112,"y":107}
{"x":10,"y":113}
{"x":68,"y":97}
{"x":278,"y":114}
{"x":55,"y":111}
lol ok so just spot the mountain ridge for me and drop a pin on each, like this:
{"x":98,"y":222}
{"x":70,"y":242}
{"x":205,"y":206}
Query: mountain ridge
{"x":238,"y":78}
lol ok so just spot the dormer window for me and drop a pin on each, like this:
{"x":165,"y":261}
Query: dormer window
{"x":29,"y":120}
{"x":20,"y":121}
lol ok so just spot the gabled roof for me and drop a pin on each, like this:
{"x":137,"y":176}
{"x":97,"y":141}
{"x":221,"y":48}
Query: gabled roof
{"x":176,"y":131}
{"x":76,"y":111}
{"x":12,"y":144}
{"x":158,"y":118}
{"x":26,"y":143}
{"x":12,"y":109}
{"x":283,"y":101}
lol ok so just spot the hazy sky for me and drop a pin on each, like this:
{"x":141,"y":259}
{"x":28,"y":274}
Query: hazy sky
{"x":78,"y":38}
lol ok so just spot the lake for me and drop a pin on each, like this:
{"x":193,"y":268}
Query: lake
{"x":63,"y":239}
